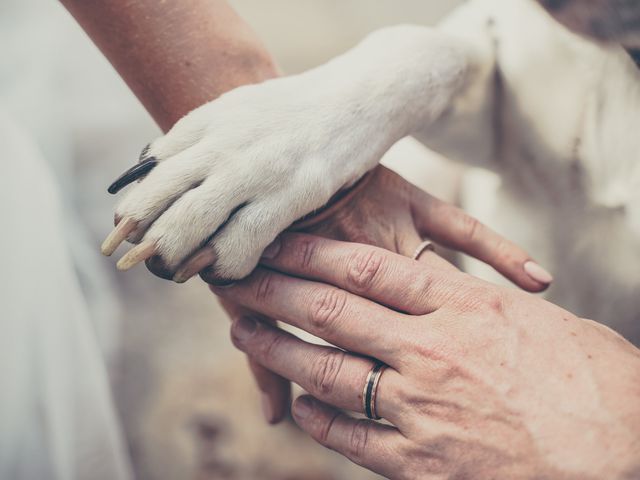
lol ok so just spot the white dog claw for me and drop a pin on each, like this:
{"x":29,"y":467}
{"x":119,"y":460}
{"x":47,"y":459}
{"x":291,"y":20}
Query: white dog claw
{"x":194,"y":264}
{"x":118,"y":235}
{"x":136,"y":255}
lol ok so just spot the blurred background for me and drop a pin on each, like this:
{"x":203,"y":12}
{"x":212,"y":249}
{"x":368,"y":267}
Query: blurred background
{"x":179,"y":402}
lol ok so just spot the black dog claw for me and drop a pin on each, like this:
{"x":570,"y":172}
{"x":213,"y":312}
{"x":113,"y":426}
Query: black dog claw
{"x":134,"y":173}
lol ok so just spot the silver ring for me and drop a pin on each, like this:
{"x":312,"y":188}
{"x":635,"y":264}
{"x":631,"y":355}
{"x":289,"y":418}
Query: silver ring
{"x":426,"y":245}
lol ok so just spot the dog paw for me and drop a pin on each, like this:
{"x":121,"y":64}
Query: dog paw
{"x":234,"y":173}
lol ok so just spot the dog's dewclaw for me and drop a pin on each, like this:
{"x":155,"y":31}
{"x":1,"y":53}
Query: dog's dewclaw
{"x":132,"y":174}
{"x":137,"y":254}
{"x":118,"y":235}
{"x":199,"y":260}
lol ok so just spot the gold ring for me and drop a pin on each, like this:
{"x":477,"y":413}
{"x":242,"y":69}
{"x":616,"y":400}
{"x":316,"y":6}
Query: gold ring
{"x":370,"y":391}
{"x":420,"y":249}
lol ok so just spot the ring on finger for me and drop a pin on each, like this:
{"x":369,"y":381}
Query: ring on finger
{"x":420,"y":249}
{"x":370,"y":391}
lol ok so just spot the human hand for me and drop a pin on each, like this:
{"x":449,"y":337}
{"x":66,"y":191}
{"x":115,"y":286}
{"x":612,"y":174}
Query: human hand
{"x":389,"y":212}
{"x":482,"y":381}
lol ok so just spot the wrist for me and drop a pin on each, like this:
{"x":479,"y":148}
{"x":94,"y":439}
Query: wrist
{"x":243,"y":66}
{"x":337,"y":202}
{"x":405,"y":75}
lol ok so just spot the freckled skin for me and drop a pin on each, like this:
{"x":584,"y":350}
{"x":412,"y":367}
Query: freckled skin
{"x":183,"y":55}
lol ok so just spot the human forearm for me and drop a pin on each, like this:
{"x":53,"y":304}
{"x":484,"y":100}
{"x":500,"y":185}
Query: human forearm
{"x":175,"y":56}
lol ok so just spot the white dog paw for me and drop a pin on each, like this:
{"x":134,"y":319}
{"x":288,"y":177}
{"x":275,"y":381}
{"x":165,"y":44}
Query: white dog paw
{"x":233,"y":174}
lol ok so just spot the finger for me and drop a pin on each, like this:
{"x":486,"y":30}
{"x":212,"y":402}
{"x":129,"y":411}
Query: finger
{"x":328,"y":373}
{"x":136,"y":255}
{"x":118,"y":235}
{"x":374,"y":273}
{"x":340,"y":318}
{"x":372,"y":445}
{"x":275,"y":390}
{"x":452,"y":227}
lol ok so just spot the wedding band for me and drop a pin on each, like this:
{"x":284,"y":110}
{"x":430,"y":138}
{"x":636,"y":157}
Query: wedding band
{"x":426,"y":245}
{"x":370,"y":391}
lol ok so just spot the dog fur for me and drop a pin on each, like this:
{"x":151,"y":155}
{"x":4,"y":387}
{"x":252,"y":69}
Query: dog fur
{"x":499,"y":84}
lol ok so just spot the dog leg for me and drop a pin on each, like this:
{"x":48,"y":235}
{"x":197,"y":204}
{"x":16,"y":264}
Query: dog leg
{"x":237,"y":171}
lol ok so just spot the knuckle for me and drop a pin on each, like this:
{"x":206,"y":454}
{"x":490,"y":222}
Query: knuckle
{"x":422,"y":281}
{"x":358,"y":440}
{"x":324,"y":430}
{"x":325,"y":371}
{"x":506,"y":253}
{"x":264,"y":287}
{"x":421,"y":285}
{"x":503,"y":250}
{"x":484,"y":300}
{"x":363,"y":268}
{"x":471,"y":229}
{"x":270,"y":347}
{"x":493,"y":302}
{"x":326,"y":307}
{"x":304,"y":253}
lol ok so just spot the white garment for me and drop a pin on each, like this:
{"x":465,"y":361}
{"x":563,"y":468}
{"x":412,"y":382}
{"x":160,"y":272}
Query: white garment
{"x":57,"y":314}
{"x":56,"y":411}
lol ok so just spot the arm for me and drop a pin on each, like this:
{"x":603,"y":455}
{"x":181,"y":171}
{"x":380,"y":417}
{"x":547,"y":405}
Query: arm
{"x":175,"y":56}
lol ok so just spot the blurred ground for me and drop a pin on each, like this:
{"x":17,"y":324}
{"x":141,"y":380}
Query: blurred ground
{"x":189,"y":407}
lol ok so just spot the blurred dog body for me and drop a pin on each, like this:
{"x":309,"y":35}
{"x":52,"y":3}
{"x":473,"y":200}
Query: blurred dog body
{"x":555,"y":114}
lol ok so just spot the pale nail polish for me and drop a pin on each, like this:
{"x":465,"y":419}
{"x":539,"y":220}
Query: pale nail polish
{"x":244,"y":328}
{"x":538,"y":273}
{"x":302,"y":408}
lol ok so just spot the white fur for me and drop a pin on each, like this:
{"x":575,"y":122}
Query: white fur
{"x":499,"y":84}
{"x":282,"y":148}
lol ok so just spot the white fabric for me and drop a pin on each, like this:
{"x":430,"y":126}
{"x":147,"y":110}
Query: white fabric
{"x":57,"y":416}
{"x":58,"y":316}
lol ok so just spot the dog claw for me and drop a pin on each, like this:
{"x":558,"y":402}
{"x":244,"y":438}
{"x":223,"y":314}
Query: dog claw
{"x":118,"y":235}
{"x":131,"y":175}
{"x":201,"y":259}
{"x":136,"y":255}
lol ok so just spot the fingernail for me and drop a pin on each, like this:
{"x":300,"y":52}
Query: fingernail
{"x":267,"y":408}
{"x":243,"y":328}
{"x":219,"y":288}
{"x":538,"y":273}
{"x":302,"y":408}
{"x":272,"y":250}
